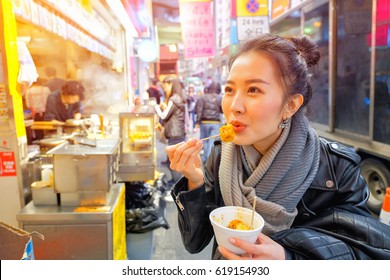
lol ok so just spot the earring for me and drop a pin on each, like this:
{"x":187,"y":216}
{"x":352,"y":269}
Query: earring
{"x":285,"y":123}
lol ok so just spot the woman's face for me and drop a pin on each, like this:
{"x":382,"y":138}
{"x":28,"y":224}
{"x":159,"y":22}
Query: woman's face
{"x":253,"y":101}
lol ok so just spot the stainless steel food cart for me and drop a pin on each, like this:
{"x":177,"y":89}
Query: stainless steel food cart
{"x":78,"y":232}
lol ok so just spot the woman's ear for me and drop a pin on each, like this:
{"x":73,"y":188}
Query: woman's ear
{"x":293,"y":104}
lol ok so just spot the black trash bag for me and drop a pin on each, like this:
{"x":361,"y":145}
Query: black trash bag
{"x":138,"y":195}
{"x":162,"y":185}
{"x":145,"y":208}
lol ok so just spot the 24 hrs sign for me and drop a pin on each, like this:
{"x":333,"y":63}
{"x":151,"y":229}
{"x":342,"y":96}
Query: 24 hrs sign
{"x":249,"y":27}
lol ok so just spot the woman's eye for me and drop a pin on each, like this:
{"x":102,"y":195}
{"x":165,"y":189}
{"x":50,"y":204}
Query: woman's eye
{"x":228,"y":90}
{"x":254,"y":90}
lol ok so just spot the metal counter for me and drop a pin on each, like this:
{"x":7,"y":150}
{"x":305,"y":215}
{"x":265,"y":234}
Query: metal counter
{"x":74,"y":232}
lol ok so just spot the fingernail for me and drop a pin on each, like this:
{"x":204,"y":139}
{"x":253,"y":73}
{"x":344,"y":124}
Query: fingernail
{"x":232,"y":240}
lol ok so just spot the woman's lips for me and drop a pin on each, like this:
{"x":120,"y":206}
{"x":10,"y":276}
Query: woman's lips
{"x":238,"y":126}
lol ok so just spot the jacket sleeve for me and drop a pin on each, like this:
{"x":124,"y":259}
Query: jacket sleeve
{"x":195,"y":206}
{"x":195,"y":228}
{"x":338,"y":234}
{"x":342,"y":228}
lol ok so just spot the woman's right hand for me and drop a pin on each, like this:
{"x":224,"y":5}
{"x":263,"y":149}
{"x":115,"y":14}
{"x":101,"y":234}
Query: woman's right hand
{"x":184,"y":158}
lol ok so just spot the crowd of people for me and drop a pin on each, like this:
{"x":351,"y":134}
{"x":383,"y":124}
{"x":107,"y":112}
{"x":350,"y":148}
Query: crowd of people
{"x":183,"y":111}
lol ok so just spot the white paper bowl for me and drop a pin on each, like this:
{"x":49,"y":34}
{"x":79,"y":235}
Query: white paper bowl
{"x":222,"y":216}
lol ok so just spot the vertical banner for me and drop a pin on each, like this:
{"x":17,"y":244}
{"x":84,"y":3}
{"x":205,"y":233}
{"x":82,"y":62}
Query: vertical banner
{"x":222,"y":23}
{"x":197,"y":24}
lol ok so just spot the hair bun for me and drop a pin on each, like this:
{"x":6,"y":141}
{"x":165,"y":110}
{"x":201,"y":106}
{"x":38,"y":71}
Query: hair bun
{"x":308,"y":49}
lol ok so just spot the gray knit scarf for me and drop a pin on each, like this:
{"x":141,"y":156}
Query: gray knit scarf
{"x":278,"y":179}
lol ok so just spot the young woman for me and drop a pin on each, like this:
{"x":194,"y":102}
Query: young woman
{"x":173,"y":115}
{"x":309,"y":191}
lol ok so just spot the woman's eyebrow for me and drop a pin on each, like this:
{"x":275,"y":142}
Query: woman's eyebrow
{"x":249,"y":81}
{"x":256,"y":81}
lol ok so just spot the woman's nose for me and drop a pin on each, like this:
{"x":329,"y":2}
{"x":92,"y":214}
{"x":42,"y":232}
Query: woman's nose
{"x":237,"y":105}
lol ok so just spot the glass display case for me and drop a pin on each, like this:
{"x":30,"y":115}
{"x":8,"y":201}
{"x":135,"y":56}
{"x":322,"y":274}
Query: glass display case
{"x":137,"y":156}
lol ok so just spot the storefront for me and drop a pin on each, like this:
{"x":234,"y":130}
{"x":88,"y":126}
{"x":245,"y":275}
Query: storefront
{"x":85,"y":41}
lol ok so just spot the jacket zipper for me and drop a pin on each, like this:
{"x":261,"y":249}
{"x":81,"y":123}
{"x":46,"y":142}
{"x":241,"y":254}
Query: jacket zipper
{"x":178,"y":202}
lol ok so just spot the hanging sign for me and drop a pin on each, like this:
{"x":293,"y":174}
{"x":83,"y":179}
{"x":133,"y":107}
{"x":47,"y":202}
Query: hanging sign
{"x":7,"y":164}
{"x":197,"y":24}
{"x":251,"y":8}
{"x":249,"y":27}
{"x":222,"y":23}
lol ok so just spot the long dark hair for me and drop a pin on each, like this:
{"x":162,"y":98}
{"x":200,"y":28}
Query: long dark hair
{"x":177,"y":88}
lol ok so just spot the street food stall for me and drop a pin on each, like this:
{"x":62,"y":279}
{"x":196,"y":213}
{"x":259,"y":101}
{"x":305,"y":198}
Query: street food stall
{"x":81,"y":215}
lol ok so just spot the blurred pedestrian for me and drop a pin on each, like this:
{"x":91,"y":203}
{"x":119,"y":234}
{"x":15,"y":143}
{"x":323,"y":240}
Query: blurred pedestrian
{"x":208,"y":116}
{"x":153,"y":90}
{"x":172,"y":115}
{"x":191,"y":101}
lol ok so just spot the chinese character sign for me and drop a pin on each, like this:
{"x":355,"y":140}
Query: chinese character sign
{"x":197,"y":24}
{"x":250,"y":27}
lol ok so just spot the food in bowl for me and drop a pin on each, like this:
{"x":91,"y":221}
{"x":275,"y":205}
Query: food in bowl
{"x":238,"y":225}
{"x":222,"y":216}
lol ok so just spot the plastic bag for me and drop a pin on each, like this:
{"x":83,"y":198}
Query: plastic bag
{"x":27,"y":72}
{"x":145,"y":208}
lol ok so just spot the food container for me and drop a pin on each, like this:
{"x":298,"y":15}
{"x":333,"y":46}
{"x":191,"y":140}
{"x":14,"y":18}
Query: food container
{"x":80,"y":168}
{"x":220,"y":219}
{"x":137,"y":152}
{"x":43,"y":193}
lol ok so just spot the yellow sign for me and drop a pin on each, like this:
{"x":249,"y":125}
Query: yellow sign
{"x":250,"y":8}
{"x":11,"y":52}
{"x":119,"y":227}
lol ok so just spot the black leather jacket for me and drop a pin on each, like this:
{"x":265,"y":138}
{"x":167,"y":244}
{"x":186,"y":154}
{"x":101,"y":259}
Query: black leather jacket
{"x":332,"y":220}
{"x":174,"y":122}
{"x":208,"y":108}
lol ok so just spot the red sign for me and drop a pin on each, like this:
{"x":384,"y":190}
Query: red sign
{"x":197,"y":24}
{"x":7,"y":164}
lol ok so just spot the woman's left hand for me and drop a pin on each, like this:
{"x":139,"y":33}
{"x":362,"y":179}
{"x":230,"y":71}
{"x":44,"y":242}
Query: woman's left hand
{"x":264,"y":249}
